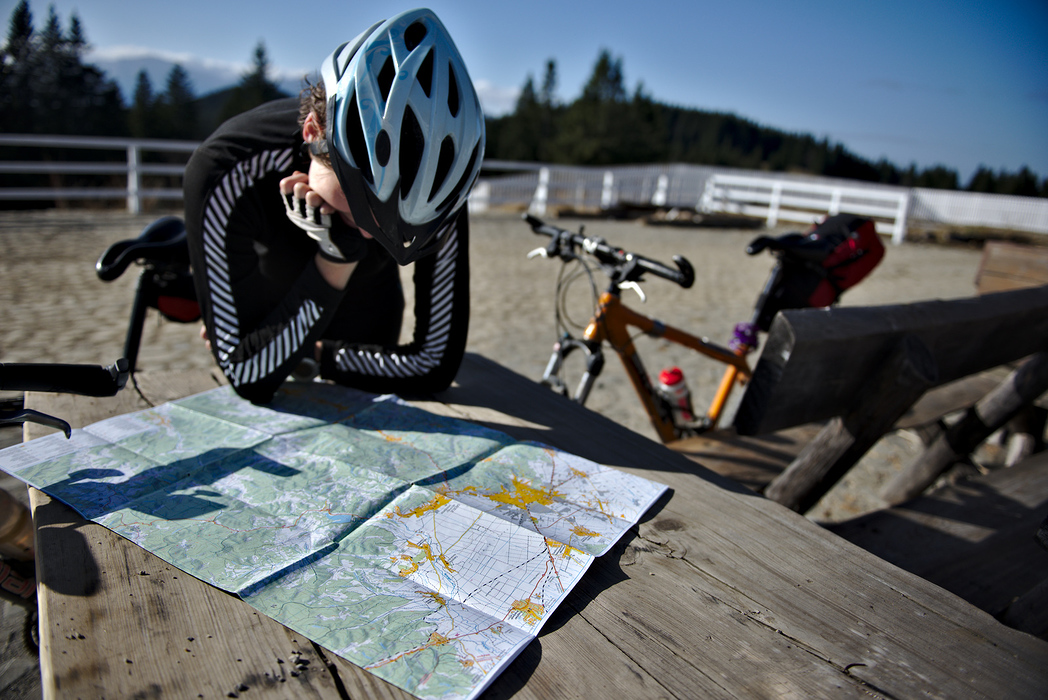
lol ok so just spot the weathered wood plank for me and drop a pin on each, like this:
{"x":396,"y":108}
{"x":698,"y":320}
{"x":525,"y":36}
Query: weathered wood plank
{"x":750,"y":460}
{"x":949,"y":398}
{"x":896,"y":632}
{"x":116,"y":621}
{"x":780,"y":597}
{"x":908,"y":371}
{"x":991,"y":412}
{"x":1006,"y":265}
{"x":835,"y":349}
{"x":974,"y":538}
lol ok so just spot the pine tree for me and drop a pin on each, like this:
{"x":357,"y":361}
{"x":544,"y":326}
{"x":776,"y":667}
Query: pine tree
{"x":142,"y":116}
{"x":16,"y":109}
{"x":255,"y":88}
{"x":178,"y":117}
{"x":47,"y":88}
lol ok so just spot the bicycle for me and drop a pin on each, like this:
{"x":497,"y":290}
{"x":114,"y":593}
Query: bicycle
{"x":165,"y":284}
{"x":812,"y":270}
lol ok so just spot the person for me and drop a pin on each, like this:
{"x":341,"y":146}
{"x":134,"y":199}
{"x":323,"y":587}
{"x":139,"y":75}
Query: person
{"x":298,"y":213}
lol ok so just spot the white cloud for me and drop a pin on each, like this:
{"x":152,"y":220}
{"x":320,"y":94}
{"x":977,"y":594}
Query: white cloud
{"x":496,"y":100}
{"x":123,"y":63}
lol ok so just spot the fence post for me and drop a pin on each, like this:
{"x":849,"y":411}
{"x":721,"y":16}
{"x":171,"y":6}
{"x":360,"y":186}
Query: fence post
{"x":538,"y":201}
{"x":835,"y":203}
{"x":662,"y":189}
{"x":899,"y":230}
{"x":773,"y":205}
{"x":607,"y":192}
{"x":133,"y":182}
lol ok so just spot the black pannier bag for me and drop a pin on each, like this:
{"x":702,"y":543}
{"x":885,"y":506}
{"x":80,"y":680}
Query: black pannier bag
{"x":815,"y":268}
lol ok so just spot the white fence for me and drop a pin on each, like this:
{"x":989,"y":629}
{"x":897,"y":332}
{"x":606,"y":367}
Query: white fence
{"x":131,"y":170}
{"x":772,"y":197}
{"x":803,"y":202}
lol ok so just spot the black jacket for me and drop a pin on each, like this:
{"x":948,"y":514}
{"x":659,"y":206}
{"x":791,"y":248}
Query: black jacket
{"x":264,"y":302}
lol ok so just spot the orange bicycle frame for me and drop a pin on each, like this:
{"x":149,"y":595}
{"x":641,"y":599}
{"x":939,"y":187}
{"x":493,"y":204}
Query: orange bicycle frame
{"x":610,"y":324}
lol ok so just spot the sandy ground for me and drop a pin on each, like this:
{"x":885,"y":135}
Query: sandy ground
{"x":54,"y":309}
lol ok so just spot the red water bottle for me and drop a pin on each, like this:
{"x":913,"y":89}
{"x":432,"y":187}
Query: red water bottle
{"x":674,"y":389}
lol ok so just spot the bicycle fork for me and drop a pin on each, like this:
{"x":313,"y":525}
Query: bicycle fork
{"x":594,"y":365}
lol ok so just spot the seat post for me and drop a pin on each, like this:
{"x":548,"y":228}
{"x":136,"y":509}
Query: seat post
{"x":145,"y":294}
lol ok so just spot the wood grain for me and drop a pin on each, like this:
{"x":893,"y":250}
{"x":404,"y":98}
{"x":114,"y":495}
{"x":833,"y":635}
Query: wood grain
{"x":718,"y":592}
{"x":814,"y":361}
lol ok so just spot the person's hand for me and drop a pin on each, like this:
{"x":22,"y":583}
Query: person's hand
{"x":337,"y":241}
{"x":203,"y":336}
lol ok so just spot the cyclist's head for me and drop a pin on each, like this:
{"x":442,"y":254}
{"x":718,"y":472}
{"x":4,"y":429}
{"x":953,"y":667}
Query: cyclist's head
{"x":404,"y":130}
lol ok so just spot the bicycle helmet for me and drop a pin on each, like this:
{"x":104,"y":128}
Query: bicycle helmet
{"x":404,"y":130}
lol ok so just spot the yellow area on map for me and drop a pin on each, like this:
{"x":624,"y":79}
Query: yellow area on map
{"x":531,"y":612}
{"x":524,"y":494}
{"x":408,"y":566}
{"x":583,"y":532}
{"x":428,"y":555}
{"x":437,"y":598}
{"x":436,"y":639}
{"x":435,"y":503}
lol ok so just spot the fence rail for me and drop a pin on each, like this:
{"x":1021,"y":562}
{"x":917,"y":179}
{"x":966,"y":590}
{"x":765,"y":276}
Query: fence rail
{"x":804,"y":202}
{"x":133,"y":168}
{"x":772,"y":197}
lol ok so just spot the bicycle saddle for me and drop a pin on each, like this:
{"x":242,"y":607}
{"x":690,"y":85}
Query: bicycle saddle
{"x":793,"y":245}
{"x":161,"y":242}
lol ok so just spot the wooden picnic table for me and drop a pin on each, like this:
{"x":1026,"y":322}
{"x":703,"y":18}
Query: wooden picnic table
{"x":718,"y":592}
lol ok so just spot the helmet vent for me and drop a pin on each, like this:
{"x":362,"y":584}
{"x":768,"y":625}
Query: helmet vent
{"x":453,"y":92}
{"x":385,"y":77}
{"x":466,"y":178}
{"x":425,"y":73}
{"x":412,"y":144}
{"x":414,"y":35}
{"x":382,"y":148}
{"x":444,"y":161}
{"x":355,"y":138}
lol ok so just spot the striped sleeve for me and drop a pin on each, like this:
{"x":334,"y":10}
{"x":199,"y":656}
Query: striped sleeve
{"x":429,"y":363}
{"x":255,"y":360}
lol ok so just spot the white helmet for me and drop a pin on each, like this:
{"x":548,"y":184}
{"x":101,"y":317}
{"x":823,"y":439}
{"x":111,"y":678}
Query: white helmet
{"x":405,"y":131}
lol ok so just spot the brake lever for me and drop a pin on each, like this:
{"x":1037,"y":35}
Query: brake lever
{"x":28,"y":415}
{"x":538,"y":253}
{"x":635,"y":287}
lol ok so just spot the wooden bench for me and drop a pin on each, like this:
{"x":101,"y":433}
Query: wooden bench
{"x":715,"y":593}
{"x":860,"y":369}
{"x":975,"y":538}
{"x":1007,"y":265}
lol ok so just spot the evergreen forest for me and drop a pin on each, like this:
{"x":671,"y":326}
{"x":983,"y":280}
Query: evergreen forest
{"x":47,"y":87}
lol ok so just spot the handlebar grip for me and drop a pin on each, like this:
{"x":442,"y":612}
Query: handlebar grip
{"x":86,"y":380}
{"x":684,"y":275}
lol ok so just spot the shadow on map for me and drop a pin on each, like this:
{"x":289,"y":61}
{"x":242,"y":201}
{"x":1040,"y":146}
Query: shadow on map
{"x":195,"y":474}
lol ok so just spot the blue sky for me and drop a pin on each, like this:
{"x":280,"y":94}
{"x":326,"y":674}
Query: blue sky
{"x":959,"y":83}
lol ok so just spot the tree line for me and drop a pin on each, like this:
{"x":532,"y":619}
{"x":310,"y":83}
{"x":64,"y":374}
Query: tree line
{"x":608,"y":125}
{"x":46,"y":87}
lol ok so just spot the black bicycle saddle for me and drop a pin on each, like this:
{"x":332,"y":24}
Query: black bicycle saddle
{"x":161,"y":242}
{"x":793,"y":245}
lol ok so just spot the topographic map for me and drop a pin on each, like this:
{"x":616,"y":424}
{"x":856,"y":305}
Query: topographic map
{"x":425,"y":549}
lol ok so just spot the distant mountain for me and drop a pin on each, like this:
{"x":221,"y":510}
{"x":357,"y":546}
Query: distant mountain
{"x":123,"y":66}
{"x":206,"y":76}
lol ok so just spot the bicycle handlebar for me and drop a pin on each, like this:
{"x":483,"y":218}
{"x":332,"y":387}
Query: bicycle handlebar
{"x":625,"y":266}
{"x":86,"y":380}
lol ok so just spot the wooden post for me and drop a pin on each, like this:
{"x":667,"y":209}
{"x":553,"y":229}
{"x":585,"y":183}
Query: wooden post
{"x":991,"y":412}
{"x":908,"y":372}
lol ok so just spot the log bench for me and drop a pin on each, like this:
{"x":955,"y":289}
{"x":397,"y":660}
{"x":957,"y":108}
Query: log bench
{"x":861,"y":369}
